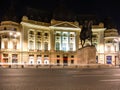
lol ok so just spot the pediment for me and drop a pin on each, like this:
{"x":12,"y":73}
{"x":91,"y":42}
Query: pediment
{"x":66,"y":24}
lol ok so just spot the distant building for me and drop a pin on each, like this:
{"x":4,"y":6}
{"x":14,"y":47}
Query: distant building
{"x":57,"y":42}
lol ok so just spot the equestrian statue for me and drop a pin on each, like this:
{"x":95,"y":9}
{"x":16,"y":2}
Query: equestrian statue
{"x":86,"y":32}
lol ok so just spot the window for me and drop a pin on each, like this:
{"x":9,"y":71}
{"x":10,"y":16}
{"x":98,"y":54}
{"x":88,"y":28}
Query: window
{"x":14,"y":45}
{"x":72,"y":56}
{"x":38,"y":34}
{"x":64,"y":46}
{"x":31,"y":45}
{"x":71,"y":46}
{"x":38,"y":45}
{"x":46,"y":34}
{"x":14,"y":58}
{"x":31,"y":32}
{"x":5,"y":44}
{"x":58,"y":62}
{"x":58,"y":56}
{"x":72,"y":61}
{"x":108,"y":48}
{"x":31,"y":59}
{"x":5,"y":28}
{"x":45,"y":46}
{"x":57,"y":46}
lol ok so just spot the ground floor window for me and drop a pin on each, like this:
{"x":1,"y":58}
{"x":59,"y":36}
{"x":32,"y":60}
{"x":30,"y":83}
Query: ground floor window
{"x":96,"y":59}
{"x":58,"y":62}
{"x":5,"y":58}
{"x":46,"y":62}
{"x":72,"y":61}
{"x":14,"y":58}
{"x":39,"y":61}
{"x":31,"y":59}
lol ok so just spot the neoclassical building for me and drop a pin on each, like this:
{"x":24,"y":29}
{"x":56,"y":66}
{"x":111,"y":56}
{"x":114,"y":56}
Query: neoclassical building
{"x":56,"y":43}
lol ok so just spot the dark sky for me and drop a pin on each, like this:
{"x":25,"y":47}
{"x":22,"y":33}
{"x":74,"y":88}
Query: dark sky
{"x":102,"y":8}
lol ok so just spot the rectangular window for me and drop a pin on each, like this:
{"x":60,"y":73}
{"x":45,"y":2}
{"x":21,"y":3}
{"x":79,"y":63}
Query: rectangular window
{"x":5,"y":44}
{"x":31,"y":45}
{"x":38,"y":46}
{"x":58,"y":62}
{"x":71,"y":46}
{"x":72,"y":61}
{"x":14,"y":45}
{"x":46,"y":46}
{"x":64,"y":46}
{"x":57,"y":46}
{"x":72,"y":56}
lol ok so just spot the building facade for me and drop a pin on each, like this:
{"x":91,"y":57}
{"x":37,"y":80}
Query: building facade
{"x":56,"y":43}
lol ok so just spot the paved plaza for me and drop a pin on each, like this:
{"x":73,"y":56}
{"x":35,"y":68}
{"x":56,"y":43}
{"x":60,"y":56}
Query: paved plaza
{"x":59,"y":79}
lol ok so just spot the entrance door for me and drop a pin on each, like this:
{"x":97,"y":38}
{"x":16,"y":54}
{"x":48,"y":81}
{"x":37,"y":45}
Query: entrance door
{"x":65,"y":60}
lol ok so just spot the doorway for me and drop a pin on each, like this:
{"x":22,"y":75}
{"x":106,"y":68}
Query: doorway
{"x":65,"y":60}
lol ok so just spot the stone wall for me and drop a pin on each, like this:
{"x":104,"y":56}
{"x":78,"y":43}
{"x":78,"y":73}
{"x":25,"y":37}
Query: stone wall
{"x":87,"y":55}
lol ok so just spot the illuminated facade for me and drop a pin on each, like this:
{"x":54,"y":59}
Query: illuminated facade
{"x":33,"y":42}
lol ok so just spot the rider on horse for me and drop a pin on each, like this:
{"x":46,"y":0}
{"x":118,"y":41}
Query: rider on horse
{"x":86,"y":32}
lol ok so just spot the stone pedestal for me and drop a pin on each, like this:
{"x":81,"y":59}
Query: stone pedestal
{"x":87,"y":55}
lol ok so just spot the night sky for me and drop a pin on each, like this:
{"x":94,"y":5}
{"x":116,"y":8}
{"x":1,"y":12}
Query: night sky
{"x":101,"y":8}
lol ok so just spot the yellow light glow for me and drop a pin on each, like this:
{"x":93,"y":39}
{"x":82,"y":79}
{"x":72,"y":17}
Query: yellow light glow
{"x":11,"y":33}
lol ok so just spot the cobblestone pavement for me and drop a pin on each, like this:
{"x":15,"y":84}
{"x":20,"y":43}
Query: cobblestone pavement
{"x":59,"y":79}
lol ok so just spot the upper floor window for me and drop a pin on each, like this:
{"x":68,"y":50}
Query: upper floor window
{"x":6,"y":44}
{"x":14,"y":45}
{"x":38,"y":45}
{"x":31,"y":32}
{"x":5,"y":28}
{"x":46,"y":34}
{"x":38,"y":33}
{"x":46,"y":46}
{"x":57,"y":46}
{"x":31,"y":45}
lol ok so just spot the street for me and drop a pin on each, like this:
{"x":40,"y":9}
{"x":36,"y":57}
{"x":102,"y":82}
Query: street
{"x":59,"y":79}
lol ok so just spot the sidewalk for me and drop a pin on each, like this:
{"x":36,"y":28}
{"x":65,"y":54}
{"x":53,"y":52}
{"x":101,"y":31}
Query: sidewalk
{"x":82,"y":66}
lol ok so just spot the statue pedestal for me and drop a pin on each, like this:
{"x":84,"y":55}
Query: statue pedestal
{"x":87,"y":55}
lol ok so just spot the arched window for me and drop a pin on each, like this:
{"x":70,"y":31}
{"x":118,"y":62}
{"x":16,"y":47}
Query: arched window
{"x":31,"y":32}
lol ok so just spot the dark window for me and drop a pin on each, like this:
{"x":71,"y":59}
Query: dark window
{"x":31,"y":32}
{"x":72,"y":61}
{"x":58,"y":61}
{"x":39,"y":33}
{"x":46,"y":34}
{"x":58,"y":56}
{"x":5,"y":28}
{"x":72,"y":56}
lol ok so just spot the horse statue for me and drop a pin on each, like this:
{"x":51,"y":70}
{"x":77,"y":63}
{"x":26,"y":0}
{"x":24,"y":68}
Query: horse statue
{"x":86,"y":32}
